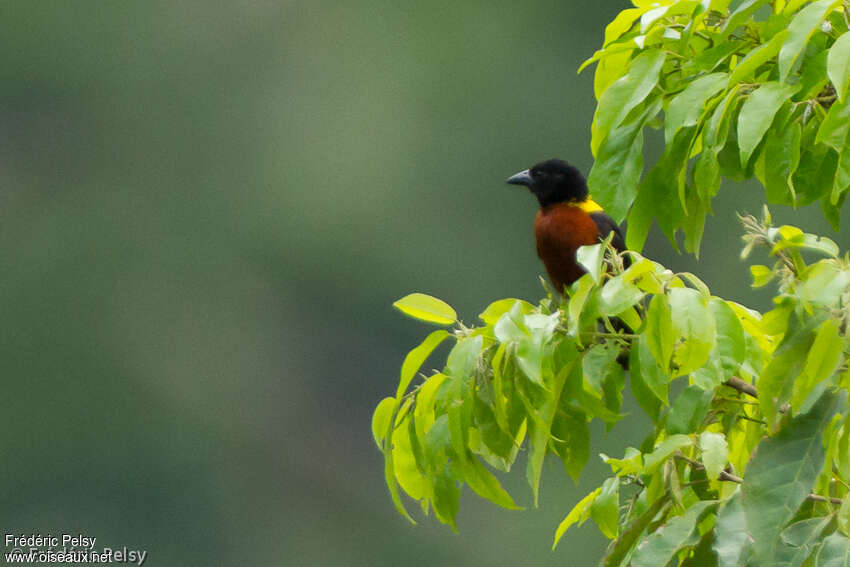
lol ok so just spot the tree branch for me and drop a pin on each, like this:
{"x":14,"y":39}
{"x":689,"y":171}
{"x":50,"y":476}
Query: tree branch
{"x":729,"y":477}
{"x":742,"y":386}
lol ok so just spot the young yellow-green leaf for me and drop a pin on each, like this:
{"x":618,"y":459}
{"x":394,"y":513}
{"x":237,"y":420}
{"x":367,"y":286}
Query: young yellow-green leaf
{"x":715,"y":453}
{"x":423,"y":413}
{"x":762,"y":275}
{"x":621,"y":24}
{"x":617,"y":295}
{"x":381,"y":420}
{"x":661,"y":546}
{"x":404,"y":462}
{"x":579,"y":514}
{"x":659,"y":333}
{"x":757,"y":114}
{"x":392,"y":485}
{"x":498,"y":308}
{"x":838,"y":65}
{"x":486,"y":485}
{"x":801,"y":28}
{"x":426,"y":308}
{"x":605,"y":508}
{"x":757,"y":57}
{"x":415,"y":359}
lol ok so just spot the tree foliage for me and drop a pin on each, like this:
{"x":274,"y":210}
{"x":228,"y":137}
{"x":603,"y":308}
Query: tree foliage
{"x":748,"y":462}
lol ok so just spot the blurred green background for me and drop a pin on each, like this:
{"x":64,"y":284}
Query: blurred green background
{"x":206,"y":211}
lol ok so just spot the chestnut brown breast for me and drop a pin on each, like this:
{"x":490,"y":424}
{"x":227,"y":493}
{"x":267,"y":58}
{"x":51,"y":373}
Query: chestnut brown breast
{"x":560,"y":229}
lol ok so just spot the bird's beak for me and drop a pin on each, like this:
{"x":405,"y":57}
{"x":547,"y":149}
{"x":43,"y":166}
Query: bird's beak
{"x":521,"y":178}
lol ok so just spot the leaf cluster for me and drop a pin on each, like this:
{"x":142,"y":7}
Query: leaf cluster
{"x":749,"y":463}
{"x":754,"y":88}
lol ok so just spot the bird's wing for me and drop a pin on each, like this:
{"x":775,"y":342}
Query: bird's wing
{"x":606,"y":225}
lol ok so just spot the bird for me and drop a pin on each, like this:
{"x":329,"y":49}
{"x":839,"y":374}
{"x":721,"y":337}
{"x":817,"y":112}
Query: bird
{"x":567,"y":219}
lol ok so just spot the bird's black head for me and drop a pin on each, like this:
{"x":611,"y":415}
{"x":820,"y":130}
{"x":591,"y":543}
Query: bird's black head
{"x":553,"y":181}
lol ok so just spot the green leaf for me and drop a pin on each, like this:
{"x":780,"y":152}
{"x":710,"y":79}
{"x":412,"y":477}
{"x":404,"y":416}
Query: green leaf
{"x":686,"y":108}
{"x":678,"y":533}
{"x":578,"y":299}
{"x":688,"y":410}
{"x":598,"y":361}
{"x":822,"y":361}
{"x":659,"y":333}
{"x":707,"y":168}
{"x":381,"y":421}
{"x":731,"y":539}
{"x":835,"y":132}
{"x":757,"y":114}
{"x":650,"y":384}
{"x":838,"y":65}
{"x":629,"y":535}
{"x":617,"y":295}
{"x":540,"y":426}
{"x":781,"y":475}
{"x":579,"y":514}
{"x":757,"y":57}
{"x":459,"y":367}
{"x":661,"y":193}
{"x":626,"y":93}
{"x":573,"y":441}
{"x":606,"y":506}
{"x":800,"y":539}
{"x":715,"y":453}
{"x":729,"y":351}
{"x":741,"y":14}
{"x":486,"y":485}
{"x":590,"y":258}
{"x":834,"y":552}
{"x":782,"y":157}
{"x":664,"y":450}
{"x":825,"y":283}
{"x":426,"y":308}
{"x":801,"y":28}
{"x":694,"y":321}
{"x":613,"y":179}
{"x":844,"y":517}
{"x":787,"y":361}
{"x":446,"y":499}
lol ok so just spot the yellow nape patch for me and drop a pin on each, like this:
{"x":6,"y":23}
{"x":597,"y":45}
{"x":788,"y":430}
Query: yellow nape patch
{"x":589,"y":206}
